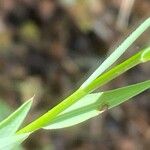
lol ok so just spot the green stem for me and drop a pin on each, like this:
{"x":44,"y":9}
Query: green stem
{"x":103,"y":79}
{"x":50,"y":115}
{"x":118,"y":52}
{"x":140,"y":57}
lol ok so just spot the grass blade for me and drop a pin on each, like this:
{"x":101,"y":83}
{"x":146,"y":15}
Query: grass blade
{"x":94,"y":104}
{"x":76,"y":113}
{"x":118,"y":52}
{"x":76,"y":96}
{"x":11,"y":124}
{"x":140,"y":57}
{"x":11,"y":142}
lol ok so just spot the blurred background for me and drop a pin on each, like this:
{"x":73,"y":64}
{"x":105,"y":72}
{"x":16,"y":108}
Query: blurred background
{"x":49,"y":47}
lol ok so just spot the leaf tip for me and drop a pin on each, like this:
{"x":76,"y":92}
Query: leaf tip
{"x":145,"y":55}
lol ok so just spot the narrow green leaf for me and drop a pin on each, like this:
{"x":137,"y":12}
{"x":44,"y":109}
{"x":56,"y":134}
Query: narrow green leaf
{"x":11,"y":124}
{"x":94,"y":104}
{"x":11,"y":142}
{"x":140,"y":57}
{"x":80,"y":93}
{"x":146,"y":55}
{"x":76,"y":113}
{"x":118,"y":52}
{"x":115,"y":97}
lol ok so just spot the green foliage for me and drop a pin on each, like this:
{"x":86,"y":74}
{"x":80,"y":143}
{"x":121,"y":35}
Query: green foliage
{"x":11,"y":124}
{"x":93,"y":104}
{"x":82,"y":104}
{"x":81,"y":92}
{"x":146,"y":55}
{"x":11,"y":142}
{"x":118,"y":52}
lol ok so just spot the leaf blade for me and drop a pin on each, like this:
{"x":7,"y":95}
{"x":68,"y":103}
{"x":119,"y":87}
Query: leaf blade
{"x":118,"y":52}
{"x":10,"y":142}
{"x":110,"y":99}
{"x":11,"y":124}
